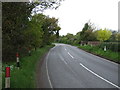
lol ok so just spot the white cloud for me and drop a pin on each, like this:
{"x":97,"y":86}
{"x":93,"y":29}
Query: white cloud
{"x":73,"y":14}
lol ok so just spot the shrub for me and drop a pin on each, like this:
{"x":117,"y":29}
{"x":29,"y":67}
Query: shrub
{"x":111,"y":46}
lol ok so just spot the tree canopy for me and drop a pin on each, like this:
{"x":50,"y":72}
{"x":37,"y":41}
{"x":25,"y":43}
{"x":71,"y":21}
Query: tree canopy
{"x":22,"y":30}
{"x":103,"y":35}
{"x":87,"y":33}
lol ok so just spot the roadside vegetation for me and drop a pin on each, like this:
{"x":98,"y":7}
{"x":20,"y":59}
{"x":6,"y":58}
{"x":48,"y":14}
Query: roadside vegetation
{"x":102,"y":42}
{"x":30,"y":33}
{"x":109,"y":54}
{"x":27,"y":33}
{"x":23,"y":32}
{"x":25,"y":76}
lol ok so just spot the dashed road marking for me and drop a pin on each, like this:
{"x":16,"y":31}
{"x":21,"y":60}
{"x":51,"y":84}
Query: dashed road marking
{"x":63,"y":59}
{"x":70,"y":55}
{"x":65,"y":49}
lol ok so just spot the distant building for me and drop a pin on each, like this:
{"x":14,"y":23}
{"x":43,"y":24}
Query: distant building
{"x":94,"y":43}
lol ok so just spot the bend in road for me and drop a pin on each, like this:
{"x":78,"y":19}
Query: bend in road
{"x":70,"y":67}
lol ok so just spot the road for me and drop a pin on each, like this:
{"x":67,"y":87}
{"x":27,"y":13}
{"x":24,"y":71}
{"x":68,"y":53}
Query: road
{"x":66,"y":66}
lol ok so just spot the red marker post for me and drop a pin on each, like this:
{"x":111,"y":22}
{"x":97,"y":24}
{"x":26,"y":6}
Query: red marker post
{"x":17,"y":59}
{"x":7,"y":77}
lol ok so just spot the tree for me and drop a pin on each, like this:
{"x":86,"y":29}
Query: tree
{"x":14,"y":22}
{"x":50,"y":27}
{"x":70,"y":38}
{"x":34,"y":32}
{"x":118,"y":36}
{"x":57,"y":32}
{"x":77,"y":38}
{"x":41,"y":5}
{"x":103,"y":35}
{"x":87,"y":32}
{"x":113,"y":36}
{"x":63,"y":39}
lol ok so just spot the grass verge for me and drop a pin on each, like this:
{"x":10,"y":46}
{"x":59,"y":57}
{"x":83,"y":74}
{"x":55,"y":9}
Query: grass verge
{"x":25,"y":76}
{"x":110,"y":55}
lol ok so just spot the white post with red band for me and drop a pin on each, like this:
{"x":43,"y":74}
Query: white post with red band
{"x":17,"y":58}
{"x":7,"y":77}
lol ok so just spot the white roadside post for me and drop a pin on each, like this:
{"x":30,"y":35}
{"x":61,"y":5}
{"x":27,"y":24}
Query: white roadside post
{"x":29,"y":51}
{"x":17,"y":58}
{"x":105,"y":48}
{"x":91,"y":45}
{"x":7,"y":77}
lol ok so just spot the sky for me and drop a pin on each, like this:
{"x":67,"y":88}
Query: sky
{"x":73,"y":14}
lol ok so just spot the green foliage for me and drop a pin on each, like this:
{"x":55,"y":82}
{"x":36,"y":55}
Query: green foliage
{"x":118,"y":36}
{"x":87,"y":33}
{"x":50,"y":27}
{"x":103,"y":35}
{"x":62,"y":39}
{"x":14,"y":19}
{"x":82,"y":33}
{"x":113,"y":46}
{"x":46,"y":4}
{"x":21,"y":30}
{"x":114,"y":56}
{"x":26,"y":76}
{"x":34,"y":32}
{"x":77,"y":38}
{"x":69,"y":38}
{"x":113,"y":36}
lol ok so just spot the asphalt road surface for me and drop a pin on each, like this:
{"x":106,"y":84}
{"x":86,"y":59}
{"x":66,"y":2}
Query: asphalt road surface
{"x":66,"y":66}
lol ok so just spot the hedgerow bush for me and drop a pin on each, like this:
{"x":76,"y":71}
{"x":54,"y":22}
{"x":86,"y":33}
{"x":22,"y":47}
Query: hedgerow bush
{"x":111,"y":46}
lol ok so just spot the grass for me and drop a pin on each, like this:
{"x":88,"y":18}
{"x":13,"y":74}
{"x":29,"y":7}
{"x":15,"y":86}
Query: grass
{"x":114,"y":56}
{"x":25,"y":76}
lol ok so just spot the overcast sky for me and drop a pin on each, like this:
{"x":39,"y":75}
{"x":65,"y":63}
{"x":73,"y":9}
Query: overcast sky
{"x":73,"y":14}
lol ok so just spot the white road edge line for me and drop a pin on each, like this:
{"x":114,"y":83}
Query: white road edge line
{"x":48,"y":73}
{"x":99,"y":76}
{"x":70,"y":55}
{"x":53,"y":48}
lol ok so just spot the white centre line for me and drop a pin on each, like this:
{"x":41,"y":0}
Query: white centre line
{"x":63,"y":59}
{"x":47,"y":72}
{"x":70,"y":55}
{"x":65,"y":49}
{"x":99,"y":76}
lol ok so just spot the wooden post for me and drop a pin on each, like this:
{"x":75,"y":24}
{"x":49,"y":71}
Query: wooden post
{"x":7,"y":77}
